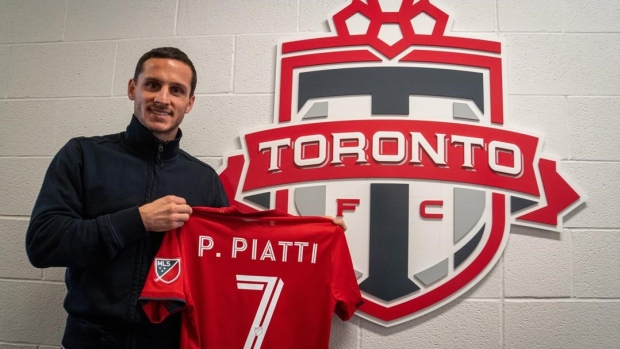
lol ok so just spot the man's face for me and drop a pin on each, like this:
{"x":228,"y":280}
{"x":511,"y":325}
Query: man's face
{"x":161,"y":96}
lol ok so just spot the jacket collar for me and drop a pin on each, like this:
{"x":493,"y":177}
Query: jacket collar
{"x":142,"y":142}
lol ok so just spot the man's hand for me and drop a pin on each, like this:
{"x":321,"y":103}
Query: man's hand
{"x":339,"y":222}
{"x":163,"y":214}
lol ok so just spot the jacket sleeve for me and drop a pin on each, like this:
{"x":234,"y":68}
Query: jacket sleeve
{"x":60,"y":235}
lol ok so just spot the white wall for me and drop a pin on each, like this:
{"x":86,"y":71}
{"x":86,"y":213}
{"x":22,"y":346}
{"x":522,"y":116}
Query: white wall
{"x":64,"y":67}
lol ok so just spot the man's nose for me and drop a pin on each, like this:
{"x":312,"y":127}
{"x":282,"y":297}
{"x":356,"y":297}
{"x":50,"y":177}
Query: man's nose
{"x":162,"y":96}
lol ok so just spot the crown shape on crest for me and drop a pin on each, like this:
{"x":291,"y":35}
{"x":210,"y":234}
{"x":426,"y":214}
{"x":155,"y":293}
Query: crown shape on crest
{"x":365,"y":23}
{"x":391,"y":32}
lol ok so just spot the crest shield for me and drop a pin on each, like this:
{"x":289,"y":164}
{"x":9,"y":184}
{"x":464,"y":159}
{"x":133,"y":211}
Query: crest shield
{"x":398,"y":127}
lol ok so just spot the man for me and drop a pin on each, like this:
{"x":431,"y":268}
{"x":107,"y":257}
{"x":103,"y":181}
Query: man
{"x":105,"y":202}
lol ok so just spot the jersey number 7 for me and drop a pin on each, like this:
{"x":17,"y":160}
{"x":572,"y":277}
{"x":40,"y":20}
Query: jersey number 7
{"x":271,"y":287}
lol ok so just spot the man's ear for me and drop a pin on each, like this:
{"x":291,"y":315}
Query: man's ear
{"x":190,"y":105}
{"x":131,"y":86}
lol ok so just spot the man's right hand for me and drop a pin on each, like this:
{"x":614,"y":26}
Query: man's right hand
{"x":163,"y":214}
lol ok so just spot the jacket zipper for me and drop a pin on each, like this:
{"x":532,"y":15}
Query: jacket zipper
{"x":142,"y":268}
{"x":160,"y":151}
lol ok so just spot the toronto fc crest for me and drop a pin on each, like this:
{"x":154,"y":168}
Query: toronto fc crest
{"x":398,"y":126}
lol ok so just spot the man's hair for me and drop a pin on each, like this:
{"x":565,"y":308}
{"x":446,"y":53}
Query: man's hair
{"x":171,"y":53}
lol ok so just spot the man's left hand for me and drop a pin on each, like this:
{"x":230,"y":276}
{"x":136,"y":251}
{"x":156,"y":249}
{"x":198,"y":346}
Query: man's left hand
{"x":339,"y":222}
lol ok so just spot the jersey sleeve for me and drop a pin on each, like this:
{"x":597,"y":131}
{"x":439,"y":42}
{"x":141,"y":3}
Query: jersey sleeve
{"x":344,"y":283}
{"x":164,"y":289}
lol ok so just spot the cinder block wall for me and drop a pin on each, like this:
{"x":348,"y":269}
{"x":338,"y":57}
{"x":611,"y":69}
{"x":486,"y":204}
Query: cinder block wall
{"x":64,"y":68}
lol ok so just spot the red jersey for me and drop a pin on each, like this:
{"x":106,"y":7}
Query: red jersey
{"x":257,"y":280}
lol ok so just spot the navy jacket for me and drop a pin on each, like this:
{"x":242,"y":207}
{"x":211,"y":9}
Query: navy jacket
{"x":86,"y":218}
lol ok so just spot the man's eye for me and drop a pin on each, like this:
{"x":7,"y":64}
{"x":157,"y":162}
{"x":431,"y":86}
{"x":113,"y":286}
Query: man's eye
{"x":177,"y":90}
{"x":151,"y":85}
